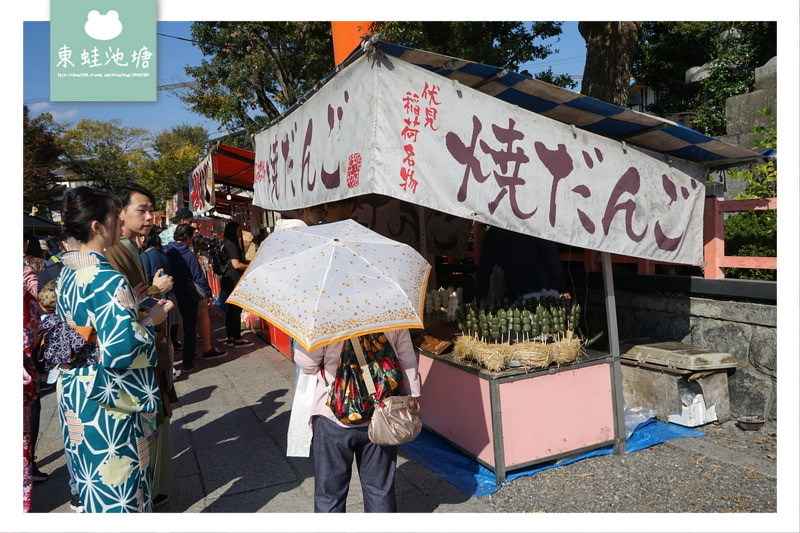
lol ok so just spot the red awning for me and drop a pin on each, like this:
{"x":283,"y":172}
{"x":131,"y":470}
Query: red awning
{"x":233,"y":166}
{"x":222,"y":204}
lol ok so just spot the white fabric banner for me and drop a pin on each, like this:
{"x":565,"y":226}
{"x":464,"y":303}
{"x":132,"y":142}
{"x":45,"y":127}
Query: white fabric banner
{"x":388,"y":127}
{"x":201,"y":187}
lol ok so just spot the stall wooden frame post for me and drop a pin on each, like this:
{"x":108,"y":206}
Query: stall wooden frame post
{"x":613,"y":349}
{"x":497,"y":432}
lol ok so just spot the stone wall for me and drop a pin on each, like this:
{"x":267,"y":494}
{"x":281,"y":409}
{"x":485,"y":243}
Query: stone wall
{"x":742,"y":115}
{"x":745,"y":330}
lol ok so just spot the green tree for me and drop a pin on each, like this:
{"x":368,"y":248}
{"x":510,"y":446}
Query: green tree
{"x":666,"y":50}
{"x":559,"y":80}
{"x":503,"y":44}
{"x":254,"y":71}
{"x":176,"y":153}
{"x":103,"y":153}
{"x":40,"y":160}
{"x":762,"y":178}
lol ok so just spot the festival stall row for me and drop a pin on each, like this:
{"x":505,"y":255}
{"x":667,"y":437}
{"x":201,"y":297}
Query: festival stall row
{"x":430,"y":144}
{"x":215,"y":197}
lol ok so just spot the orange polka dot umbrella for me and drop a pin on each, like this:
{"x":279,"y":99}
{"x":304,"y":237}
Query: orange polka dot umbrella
{"x":325,"y":283}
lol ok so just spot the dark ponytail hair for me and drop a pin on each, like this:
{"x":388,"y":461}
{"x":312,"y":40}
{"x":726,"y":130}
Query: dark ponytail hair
{"x":153,"y":240}
{"x":231,"y":234}
{"x":183,"y":232}
{"x":84,"y":205}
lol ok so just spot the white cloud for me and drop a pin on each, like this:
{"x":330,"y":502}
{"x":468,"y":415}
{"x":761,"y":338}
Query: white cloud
{"x":103,"y":27}
{"x":60,"y":113}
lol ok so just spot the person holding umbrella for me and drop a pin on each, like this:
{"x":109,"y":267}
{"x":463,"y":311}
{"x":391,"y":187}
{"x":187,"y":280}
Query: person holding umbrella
{"x":334,"y":444}
{"x":323,"y":285}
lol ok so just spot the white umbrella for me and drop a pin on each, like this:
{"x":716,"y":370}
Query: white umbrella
{"x":326,"y":283}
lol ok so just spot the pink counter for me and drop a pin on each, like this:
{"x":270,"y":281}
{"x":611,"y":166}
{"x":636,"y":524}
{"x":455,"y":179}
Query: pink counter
{"x":515,"y":419}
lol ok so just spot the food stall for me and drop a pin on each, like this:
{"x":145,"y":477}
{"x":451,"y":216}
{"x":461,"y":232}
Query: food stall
{"x":216,"y":187}
{"x":453,"y":142}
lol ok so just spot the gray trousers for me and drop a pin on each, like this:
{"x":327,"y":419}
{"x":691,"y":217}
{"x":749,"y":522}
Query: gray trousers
{"x":333,"y":448}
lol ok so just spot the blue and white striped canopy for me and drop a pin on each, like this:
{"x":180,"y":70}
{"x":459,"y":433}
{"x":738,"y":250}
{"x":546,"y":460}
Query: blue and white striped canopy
{"x":609,"y":120}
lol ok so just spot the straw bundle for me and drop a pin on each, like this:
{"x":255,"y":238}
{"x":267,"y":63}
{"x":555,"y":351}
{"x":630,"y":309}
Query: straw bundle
{"x":567,"y":349}
{"x":531,"y":354}
{"x":463,"y":348}
{"x":493,"y":357}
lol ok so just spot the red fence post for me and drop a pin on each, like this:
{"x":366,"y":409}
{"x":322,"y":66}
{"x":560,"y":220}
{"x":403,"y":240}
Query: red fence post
{"x":713,"y":238}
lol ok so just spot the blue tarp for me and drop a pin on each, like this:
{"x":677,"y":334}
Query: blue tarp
{"x":440,"y":457}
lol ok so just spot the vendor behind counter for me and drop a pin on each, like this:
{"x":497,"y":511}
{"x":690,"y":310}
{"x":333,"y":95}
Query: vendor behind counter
{"x":530,"y":267}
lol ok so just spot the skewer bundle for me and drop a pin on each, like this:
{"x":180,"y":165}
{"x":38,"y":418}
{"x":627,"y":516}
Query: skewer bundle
{"x":532,"y":354}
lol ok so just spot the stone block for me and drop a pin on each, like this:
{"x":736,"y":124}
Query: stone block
{"x":730,"y":337}
{"x":751,"y":393}
{"x":741,"y":111}
{"x":767,"y":75}
{"x":764,"y":352}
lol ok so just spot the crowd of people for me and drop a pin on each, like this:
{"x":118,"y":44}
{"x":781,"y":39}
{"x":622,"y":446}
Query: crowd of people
{"x":104,"y":317}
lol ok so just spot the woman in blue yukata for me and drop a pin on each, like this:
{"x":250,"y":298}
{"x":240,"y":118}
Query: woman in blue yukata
{"x":107,"y":393}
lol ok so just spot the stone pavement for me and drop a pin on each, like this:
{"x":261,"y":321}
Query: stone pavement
{"x":229,"y":442}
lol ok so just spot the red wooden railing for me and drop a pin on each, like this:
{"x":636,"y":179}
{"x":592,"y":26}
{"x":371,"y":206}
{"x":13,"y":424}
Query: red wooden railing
{"x":713,"y":239}
{"x":713,"y":243}
{"x":714,"y":236}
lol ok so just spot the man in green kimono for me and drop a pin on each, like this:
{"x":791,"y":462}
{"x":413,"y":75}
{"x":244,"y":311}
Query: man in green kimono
{"x":137,"y":220}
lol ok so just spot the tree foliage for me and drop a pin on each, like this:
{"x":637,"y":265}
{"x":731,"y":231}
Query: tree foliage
{"x":253,"y":71}
{"x":666,"y":50}
{"x":501,"y":44}
{"x":762,"y":178}
{"x":559,"y":80}
{"x":103,"y":153}
{"x":40,"y":159}
{"x":175,"y":154}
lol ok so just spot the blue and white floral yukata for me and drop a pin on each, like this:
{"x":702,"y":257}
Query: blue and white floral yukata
{"x":108,"y":406}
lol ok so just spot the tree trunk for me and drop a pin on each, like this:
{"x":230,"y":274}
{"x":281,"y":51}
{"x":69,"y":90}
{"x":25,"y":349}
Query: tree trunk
{"x":609,"y":59}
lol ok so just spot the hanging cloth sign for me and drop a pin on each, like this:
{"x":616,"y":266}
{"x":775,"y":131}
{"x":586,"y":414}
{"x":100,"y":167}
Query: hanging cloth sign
{"x":385,"y":126}
{"x":201,"y":187}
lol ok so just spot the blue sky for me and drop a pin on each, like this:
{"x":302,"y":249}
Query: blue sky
{"x":173,"y":55}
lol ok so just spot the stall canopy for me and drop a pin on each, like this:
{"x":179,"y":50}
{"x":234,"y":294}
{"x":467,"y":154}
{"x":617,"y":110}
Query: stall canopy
{"x":223,"y":205}
{"x":479,"y":143}
{"x":565,"y":106}
{"x":224,"y":165}
{"x":233,"y":166}
{"x":40,"y":225}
